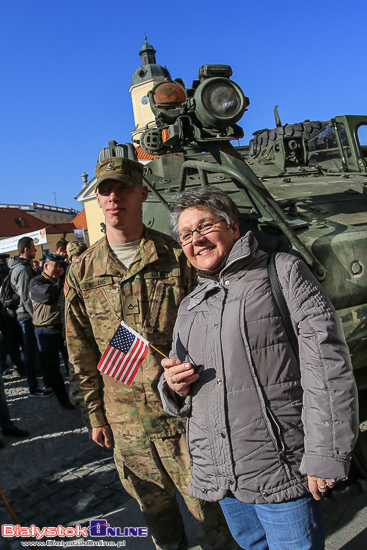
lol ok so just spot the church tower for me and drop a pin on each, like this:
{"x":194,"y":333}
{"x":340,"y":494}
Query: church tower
{"x":143,"y":80}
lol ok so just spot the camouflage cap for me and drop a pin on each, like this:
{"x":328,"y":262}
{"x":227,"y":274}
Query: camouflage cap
{"x":119,"y":169}
{"x":76,"y":247}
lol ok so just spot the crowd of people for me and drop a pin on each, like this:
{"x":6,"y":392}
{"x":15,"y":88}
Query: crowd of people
{"x":251,"y":429}
{"x":32,"y":331}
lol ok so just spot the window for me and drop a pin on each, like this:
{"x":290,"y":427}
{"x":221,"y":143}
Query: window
{"x":362,"y":139}
{"x":324,"y":150}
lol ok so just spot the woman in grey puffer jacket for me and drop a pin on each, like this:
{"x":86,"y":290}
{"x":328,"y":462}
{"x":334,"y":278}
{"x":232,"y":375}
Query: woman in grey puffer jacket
{"x":267,"y":432}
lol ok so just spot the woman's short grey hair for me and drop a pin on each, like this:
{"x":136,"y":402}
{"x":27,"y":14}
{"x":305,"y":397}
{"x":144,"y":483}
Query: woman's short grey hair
{"x":209,"y":197}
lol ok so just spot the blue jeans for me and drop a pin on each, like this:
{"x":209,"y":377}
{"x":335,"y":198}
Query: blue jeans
{"x":293,"y":525}
{"x":30,"y":351}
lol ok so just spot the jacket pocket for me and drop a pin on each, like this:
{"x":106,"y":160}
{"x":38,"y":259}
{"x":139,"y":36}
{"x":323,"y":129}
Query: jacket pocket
{"x":102,"y":301}
{"x":161,"y":309}
{"x":154,"y":306}
{"x":104,"y":319}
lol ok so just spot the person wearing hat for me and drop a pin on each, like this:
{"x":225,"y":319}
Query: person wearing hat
{"x":139,"y":275}
{"x":46,"y":296}
{"x":74,"y":249}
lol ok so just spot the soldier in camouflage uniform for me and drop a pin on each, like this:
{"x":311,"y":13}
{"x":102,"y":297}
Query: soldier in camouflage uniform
{"x":141,"y":276}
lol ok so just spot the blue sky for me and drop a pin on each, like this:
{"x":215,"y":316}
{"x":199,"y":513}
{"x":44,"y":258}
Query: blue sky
{"x":66,"y":69}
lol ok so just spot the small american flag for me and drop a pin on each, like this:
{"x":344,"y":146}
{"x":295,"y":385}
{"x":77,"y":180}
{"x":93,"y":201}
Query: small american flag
{"x":124,"y":354}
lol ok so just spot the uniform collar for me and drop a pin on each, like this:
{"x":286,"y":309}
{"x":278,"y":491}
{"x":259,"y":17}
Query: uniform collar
{"x":151,"y":248}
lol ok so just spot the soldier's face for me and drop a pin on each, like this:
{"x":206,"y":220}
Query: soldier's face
{"x":121,"y":204}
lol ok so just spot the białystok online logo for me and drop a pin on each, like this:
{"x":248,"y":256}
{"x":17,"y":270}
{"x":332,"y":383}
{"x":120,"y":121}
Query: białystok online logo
{"x":97,"y":528}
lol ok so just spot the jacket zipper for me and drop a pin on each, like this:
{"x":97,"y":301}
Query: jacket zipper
{"x":279,"y":443}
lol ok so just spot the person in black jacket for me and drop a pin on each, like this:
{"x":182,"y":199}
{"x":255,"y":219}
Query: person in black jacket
{"x":46,"y":296}
{"x":10,"y":330}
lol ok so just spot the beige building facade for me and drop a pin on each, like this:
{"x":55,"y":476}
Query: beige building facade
{"x":93,"y":213}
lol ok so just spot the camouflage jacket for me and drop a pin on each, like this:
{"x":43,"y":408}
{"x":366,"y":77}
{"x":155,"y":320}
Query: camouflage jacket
{"x":99,"y":293}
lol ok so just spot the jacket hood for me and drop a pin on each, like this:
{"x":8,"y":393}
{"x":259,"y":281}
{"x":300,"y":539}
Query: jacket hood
{"x":17,"y":260}
{"x":243,"y":252}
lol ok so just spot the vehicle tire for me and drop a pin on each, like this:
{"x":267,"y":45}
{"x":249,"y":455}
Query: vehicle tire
{"x":262,"y":138}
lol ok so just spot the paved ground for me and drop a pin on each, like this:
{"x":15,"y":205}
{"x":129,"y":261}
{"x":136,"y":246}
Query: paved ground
{"x":57,"y":476}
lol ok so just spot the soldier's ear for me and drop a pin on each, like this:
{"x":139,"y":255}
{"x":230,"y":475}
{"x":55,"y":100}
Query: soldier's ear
{"x":144,"y":193}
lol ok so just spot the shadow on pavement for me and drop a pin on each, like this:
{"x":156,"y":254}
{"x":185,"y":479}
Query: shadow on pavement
{"x":58,"y":477}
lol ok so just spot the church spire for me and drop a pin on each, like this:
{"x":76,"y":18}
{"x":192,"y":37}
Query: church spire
{"x":144,"y":79}
{"x":147,"y":54}
{"x":149,"y":68}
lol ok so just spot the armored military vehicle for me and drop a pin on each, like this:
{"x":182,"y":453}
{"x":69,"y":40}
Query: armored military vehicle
{"x":301,"y":188}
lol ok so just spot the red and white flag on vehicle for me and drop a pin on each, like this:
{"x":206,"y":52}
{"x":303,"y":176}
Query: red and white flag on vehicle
{"x":124,"y":354}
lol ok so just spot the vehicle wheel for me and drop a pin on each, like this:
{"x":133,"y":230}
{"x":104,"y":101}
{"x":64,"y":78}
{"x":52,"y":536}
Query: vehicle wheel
{"x":262,"y":138}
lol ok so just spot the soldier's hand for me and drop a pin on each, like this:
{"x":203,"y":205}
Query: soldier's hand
{"x":179,"y":376}
{"x":101,"y":436}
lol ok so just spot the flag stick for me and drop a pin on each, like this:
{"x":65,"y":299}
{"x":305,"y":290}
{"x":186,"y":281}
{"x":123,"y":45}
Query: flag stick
{"x":158,"y":351}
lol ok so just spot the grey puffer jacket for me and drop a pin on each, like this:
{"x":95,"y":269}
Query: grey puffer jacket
{"x":259,"y":420}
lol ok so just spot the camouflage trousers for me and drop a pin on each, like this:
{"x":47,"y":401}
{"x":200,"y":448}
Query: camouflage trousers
{"x":150,"y":471}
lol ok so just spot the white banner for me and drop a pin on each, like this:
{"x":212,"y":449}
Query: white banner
{"x":11,"y":244}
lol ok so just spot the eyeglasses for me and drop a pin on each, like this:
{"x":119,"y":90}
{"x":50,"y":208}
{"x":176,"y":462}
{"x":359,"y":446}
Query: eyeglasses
{"x":203,"y":228}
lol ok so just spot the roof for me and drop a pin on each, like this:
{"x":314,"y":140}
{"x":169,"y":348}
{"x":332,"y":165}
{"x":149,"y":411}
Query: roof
{"x":27,"y":223}
{"x":80,"y":221}
{"x":149,"y":72}
{"x":142,"y":155}
{"x":60,"y":228}
{"x":147,"y":47}
{"x":35,"y":206}
{"x":149,"y":67}
{"x":9,"y":227}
